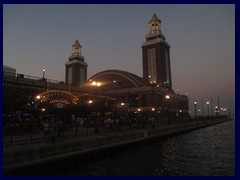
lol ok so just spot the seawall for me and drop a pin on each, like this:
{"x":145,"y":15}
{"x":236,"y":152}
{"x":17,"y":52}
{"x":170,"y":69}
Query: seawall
{"x":34,"y":156}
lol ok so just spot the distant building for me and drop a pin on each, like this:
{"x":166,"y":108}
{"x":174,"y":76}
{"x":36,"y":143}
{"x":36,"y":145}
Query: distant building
{"x":152,"y":94}
{"x":76,"y":68}
{"x":9,"y":71}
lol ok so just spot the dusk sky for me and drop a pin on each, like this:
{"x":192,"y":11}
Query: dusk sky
{"x":202,"y":40}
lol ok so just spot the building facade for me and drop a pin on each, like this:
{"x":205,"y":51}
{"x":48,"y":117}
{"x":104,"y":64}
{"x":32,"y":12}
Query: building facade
{"x":150,"y":94}
{"x":9,"y":71}
{"x":76,"y":68}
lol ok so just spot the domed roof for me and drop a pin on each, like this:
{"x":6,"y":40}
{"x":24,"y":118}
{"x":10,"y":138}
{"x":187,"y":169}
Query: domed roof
{"x":112,"y":79}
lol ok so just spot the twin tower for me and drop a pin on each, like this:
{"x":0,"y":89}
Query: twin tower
{"x":155,"y":59}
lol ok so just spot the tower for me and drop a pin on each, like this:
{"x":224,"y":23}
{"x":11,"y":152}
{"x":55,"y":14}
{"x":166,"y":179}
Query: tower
{"x":76,"y":68}
{"x":155,"y":55}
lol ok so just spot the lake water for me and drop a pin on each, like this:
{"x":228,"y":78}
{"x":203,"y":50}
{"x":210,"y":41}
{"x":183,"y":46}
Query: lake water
{"x":205,"y":152}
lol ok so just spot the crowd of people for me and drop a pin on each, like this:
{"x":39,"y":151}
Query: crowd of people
{"x":55,"y":126}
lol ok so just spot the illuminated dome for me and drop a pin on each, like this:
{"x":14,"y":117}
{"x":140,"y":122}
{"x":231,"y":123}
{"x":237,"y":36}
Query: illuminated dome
{"x":112,"y":79}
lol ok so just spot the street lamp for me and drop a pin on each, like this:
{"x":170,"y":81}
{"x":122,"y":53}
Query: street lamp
{"x":98,"y":84}
{"x":208,"y":107}
{"x":195,"y":108}
{"x":199,"y":110}
{"x":167,"y":97}
{"x":94,"y":83}
{"x":37,"y":101}
{"x":216,"y":110}
{"x":43,"y":73}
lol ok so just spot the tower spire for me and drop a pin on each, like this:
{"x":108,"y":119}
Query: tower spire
{"x":76,"y":49}
{"x":154,"y":25}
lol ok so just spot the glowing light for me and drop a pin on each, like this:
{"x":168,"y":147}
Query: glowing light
{"x":167,"y":96}
{"x":54,"y":96}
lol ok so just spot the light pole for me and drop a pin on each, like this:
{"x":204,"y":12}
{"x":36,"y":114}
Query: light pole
{"x":229,"y":113}
{"x":167,"y":97}
{"x":195,"y":108}
{"x":96,"y":86}
{"x":208,"y":107}
{"x":43,"y":73}
{"x":37,"y":101}
{"x":115,"y":94}
{"x":216,"y":111}
{"x":199,"y":110}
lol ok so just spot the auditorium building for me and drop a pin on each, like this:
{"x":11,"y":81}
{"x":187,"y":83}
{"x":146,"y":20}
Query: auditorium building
{"x":150,"y":94}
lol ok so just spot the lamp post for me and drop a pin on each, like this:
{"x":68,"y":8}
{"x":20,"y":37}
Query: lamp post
{"x":96,"y":85}
{"x":217,"y":110}
{"x":195,"y":108}
{"x":208,"y":107}
{"x":43,"y":73}
{"x":37,"y":101}
{"x":167,"y":97}
{"x":199,"y":110}
{"x":115,"y":94}
{"x":229,"y":113}
{"x":149,"y":79}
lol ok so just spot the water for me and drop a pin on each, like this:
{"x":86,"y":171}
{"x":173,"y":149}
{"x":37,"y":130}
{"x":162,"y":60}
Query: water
{"x":205,"y":152}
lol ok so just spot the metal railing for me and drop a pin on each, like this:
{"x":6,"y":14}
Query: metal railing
{"x":30,"y":133}
{"x":25,"y":76}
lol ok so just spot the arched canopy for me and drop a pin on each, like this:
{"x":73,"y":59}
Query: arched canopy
{"x":112,"y":79}
{"x":57,"y":96}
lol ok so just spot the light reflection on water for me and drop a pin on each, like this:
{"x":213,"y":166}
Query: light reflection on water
{"x":205,"y":152}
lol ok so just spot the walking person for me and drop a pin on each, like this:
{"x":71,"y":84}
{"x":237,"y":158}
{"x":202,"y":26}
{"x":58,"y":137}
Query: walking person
{"x":77,"y":124}
{"x":52,"y":130}
{"x":46,"y":129}
{"x":59,"y":125}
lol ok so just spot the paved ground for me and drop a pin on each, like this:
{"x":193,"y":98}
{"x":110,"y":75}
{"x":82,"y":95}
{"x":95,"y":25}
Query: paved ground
{"x":26,"y":140}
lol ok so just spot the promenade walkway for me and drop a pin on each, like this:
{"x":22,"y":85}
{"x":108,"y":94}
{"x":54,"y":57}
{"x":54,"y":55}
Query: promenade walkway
{"x":25,"y":154}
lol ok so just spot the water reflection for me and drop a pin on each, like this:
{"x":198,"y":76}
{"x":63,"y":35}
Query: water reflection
{"x":209,"y":151}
